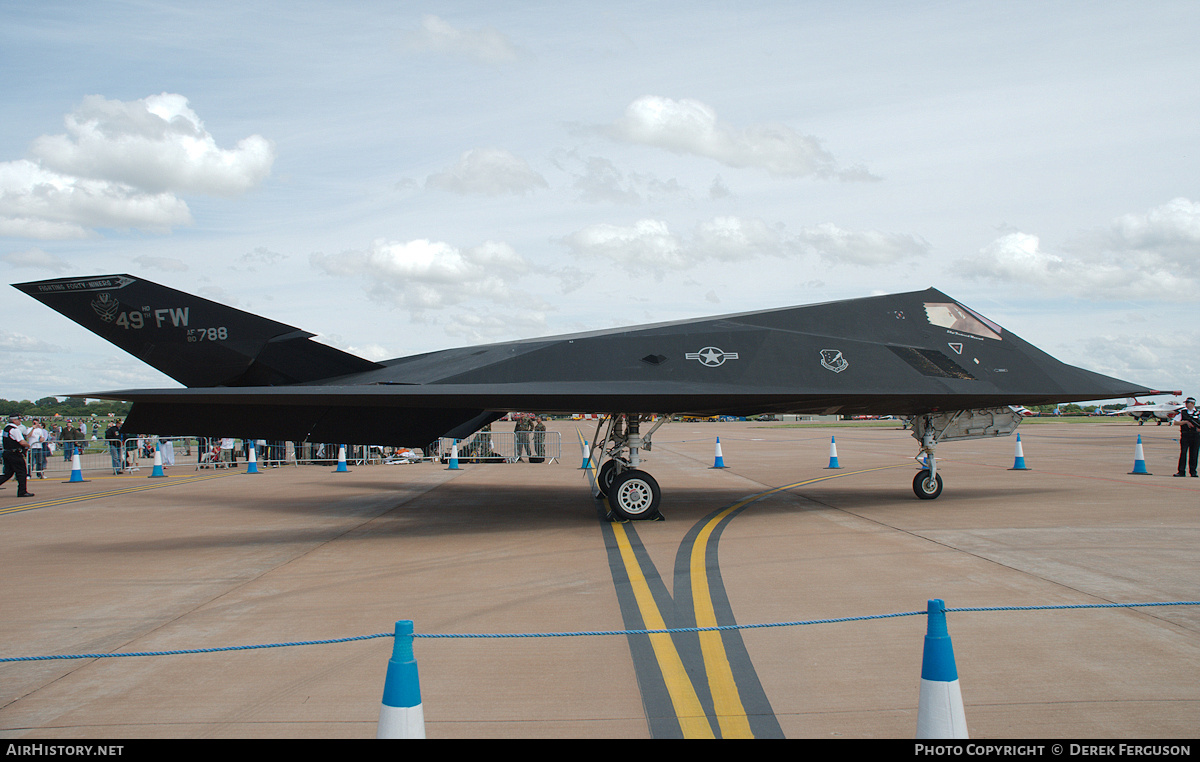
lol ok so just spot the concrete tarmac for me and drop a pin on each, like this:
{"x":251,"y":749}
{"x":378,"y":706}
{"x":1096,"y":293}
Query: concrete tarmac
{"x":207,"y":559}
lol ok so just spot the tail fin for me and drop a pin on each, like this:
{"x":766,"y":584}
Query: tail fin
{"x":192,"y":340}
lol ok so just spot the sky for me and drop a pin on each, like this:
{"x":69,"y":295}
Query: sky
{"x":401,"y":177}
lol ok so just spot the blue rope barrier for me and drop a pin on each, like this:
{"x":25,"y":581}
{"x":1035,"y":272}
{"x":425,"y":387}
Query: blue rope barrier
{"x":592,"y":633}
{"x":197,"y":650}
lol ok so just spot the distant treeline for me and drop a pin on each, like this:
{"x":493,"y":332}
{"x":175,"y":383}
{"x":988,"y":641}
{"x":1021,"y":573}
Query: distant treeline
{"x":71,"y":407}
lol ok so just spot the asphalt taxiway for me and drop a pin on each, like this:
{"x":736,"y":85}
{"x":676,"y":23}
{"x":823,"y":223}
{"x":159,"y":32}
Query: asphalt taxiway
{"x":206,"y":559}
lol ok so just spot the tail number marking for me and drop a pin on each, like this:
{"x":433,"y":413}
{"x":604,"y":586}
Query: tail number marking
{"x":208,"y":334}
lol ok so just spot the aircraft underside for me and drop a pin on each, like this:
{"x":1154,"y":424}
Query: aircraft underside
{"x":633,"y":494}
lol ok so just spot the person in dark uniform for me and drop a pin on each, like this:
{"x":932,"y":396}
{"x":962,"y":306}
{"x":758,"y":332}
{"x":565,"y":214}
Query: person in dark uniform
{"x":14,"y":455}
{"x":522,"y":430}
{"x":539,"y":439}
{"x":114,"y":438}
{"x":1188,"y":421}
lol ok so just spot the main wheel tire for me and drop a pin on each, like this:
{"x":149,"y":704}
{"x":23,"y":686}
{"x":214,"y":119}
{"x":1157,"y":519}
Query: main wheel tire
{"x":634,"y":495}
{"x":605,"y":476}
{"x":926,"y":488}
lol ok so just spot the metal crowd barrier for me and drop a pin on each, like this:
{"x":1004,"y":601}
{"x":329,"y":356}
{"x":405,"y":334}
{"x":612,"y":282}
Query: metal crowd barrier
{"x":503,"y":447}
{"x":137,"y":453}
{"x":56,"y":458}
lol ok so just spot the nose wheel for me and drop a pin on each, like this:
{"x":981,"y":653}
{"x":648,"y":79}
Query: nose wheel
{"x":634,"y":495}
{"x":926,"y":487}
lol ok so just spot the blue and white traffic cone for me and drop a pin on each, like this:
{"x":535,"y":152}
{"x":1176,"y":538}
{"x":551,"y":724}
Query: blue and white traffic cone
{"x":940,"y":711}
{"x":341,"y":466}
{"x":833,"y":461}
{"x":1019,"y":463}
{"x":401,"y":714}
{"x":1139,"y":460}
{"x":252,"y":463}
{"x":587,"y":457}
{"x":453,"y":457}
{"x":157,"y":473}
{"x":76,"y":470}
{"x":719,"y":462}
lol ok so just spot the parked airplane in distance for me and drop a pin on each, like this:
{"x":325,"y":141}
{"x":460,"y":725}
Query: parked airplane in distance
{"x":1159,"y":412}
{"x":952,"y":372}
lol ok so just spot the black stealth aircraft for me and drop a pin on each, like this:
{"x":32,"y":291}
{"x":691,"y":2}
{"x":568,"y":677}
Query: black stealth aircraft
{"x":920,"y":355}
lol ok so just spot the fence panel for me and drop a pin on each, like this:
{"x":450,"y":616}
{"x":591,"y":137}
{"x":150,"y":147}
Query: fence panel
{"x":503,"y":447}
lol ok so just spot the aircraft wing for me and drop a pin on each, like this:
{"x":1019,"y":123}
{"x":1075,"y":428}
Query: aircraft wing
{"x":418,"y":413}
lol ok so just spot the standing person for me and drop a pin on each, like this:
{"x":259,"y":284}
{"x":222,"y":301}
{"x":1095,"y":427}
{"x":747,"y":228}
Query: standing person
{"x":112,"y":435}
{"x":70,"y":440}
{"x":132,"y":445}
{"x":38,"y":438}
{"x":522,"y":430}
{"x":1188,"y":421}
{"x":14,"y":455}
{"x":539,"y":439}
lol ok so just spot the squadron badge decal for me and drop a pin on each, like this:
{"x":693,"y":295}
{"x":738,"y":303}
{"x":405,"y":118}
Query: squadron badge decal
{"x":831,"y":359}
{"x":106,"y":306}
{"x":711,"y":357}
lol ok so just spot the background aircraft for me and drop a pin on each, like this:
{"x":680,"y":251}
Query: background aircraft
{"x":920,"y":354}
{"x":1150,"y":411}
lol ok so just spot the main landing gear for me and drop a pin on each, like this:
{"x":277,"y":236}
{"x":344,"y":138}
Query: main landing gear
{"x":632,"y":494}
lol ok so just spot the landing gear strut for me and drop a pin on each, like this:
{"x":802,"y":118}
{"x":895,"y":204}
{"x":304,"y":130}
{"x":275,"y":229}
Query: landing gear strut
{"x":931,"y":428}
{"x":928,"y":483}
{"x":632,"y":494}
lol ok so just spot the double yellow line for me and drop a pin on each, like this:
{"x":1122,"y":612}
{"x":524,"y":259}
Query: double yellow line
{"x":727,"y":702}
{"x":109,"y":493}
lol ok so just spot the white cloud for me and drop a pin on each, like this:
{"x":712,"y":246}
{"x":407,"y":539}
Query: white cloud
{"x":718,"y":190}
{"x":156,"y":144}
{"x":429,"y":275}
{"x":1141,"y":256}
{"x":645,"y":246}
{"x":600,"y":181}
{"x":40,"y":203}
{"x":437,"y":35}
{"x":488,"y":172}
{"x":733,"y":239}
{"x":691,"y":127}
{"x":1165,"y":237}
{"x":650,"y":245}
{"x":372,"y":352}
{"x":475,"y":325}
{"x":1160,"y":359}
{"x":16,"y":342}
{"x":120,"y":165}
{"x":869,"y":247}
{"x":260,"y":256}
{"x":37,"y":259}
{"x":166,"y":264}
